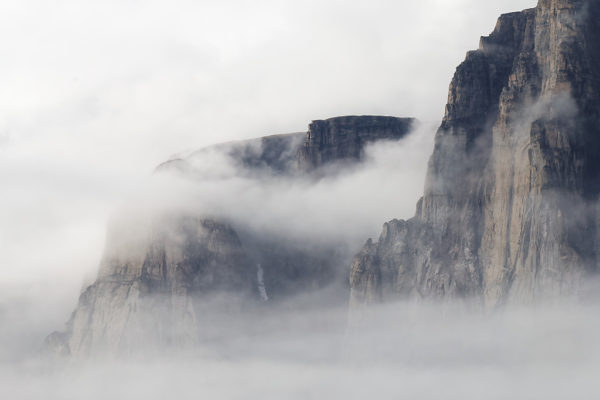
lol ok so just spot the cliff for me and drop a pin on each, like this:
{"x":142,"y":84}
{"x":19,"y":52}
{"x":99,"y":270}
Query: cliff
{"x":155,"y":286}
{"x":509,"y":212}
{"x":178,"y":277}
{"x":345,"y":138}
{"x":327,"y":142}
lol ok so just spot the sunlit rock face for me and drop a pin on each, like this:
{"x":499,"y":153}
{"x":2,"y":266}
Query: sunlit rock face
{"x":180,"y":277}
{"x":509,"y":212}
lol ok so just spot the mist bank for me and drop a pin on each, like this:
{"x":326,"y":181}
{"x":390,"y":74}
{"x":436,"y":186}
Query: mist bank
{"x":402,"y":350}
{"x":511,"y":208}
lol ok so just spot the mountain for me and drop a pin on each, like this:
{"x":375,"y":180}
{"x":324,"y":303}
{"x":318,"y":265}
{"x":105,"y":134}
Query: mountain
{"x":345,"y":138}
{"x":179,"y":277}
{"x":510,"y":209}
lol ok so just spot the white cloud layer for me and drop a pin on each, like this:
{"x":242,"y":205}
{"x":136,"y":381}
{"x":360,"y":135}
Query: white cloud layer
{"x":401,"y":351}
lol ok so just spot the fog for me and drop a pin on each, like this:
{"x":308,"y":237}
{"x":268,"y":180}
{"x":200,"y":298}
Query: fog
{"x":396,"y":351}
{"x":97,"y":94}
{"x":346,"y":202}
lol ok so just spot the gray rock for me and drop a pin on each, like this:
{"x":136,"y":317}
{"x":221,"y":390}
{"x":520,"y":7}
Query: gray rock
{"x":345,"y":138}
{"x":509,"y":212}
{"x":174,"y":279}
{"x":160,"y":286}
{"x":330,"y":141}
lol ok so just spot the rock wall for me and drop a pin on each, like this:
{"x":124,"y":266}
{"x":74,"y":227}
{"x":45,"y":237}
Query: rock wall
{"x":345,"y":138}
{"x":509,"y":210}
{"x":274,"y":154}
{"x":155,"y":284}
{"x":177,"y":279}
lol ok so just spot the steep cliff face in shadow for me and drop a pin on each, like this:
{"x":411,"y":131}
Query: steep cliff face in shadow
{"x":345,"y":138}
{"x":509,"y":212}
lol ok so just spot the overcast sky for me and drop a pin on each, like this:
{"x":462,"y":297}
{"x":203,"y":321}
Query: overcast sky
{"x":96,"y":93}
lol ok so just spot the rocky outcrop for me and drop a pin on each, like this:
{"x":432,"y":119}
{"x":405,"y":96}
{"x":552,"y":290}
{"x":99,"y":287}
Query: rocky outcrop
{"x":339,"y":139}
{"x":176,"y":278}
{"x":155,"y":286}
{"x":509,"y":212}
{"x":345,"y":138}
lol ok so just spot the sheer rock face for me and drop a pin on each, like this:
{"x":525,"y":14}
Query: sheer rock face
{"x":177,"y":280}
{"x":154,"y":286}
{"x":330,"y":141}
{"x":290,"y":267}
{"x":509,"y":212}
{"x":345,"y":138}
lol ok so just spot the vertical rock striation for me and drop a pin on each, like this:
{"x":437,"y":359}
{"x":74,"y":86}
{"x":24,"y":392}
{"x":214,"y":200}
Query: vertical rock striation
{"x":159,"y":284}
{"x":510,"y":205}
{"x":345,"y":138}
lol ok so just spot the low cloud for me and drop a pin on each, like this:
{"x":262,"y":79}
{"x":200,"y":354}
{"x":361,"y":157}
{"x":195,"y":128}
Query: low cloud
{"x":347,"y":204}
{"x":400,"y":350}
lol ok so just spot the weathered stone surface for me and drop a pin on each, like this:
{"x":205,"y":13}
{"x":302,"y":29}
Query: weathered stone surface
{"x":510,"y":205}
{"x":345,"y":138}
{"x":154,"y":287}
{"x":339,"y":139}
{"x":294,"y":268}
